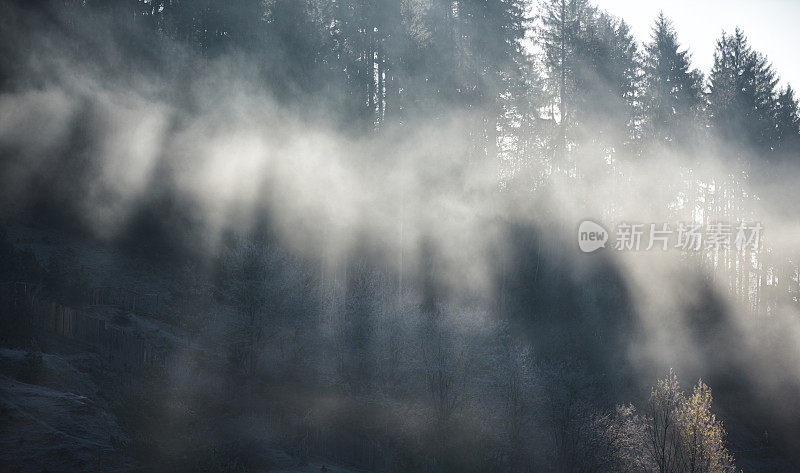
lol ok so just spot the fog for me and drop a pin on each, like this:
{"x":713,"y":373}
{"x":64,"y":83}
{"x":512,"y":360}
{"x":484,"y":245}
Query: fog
{"x":408,"y":240}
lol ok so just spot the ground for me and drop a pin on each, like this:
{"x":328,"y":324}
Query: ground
{"x":53,"y":418}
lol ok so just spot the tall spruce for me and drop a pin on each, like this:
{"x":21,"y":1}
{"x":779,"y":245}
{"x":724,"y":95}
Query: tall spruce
{"x":788,"y":125}
{"x":742,"y":95}
{"x":672,"y":94}
{"x":607,"y":78}
{"x":561,"y":25}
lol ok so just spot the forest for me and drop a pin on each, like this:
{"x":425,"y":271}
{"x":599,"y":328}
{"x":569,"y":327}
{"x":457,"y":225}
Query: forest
{"x":345,"y":235}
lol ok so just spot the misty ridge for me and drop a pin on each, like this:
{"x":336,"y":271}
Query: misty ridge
{"x":346,"y":234}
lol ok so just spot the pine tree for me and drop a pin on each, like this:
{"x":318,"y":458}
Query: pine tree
{"x":492,"y":32}
{"x":593,"y":69}
{"x":561,"y":25}
{"x":296,"y":47}
{"x":607,"y":80}
{"x":742,"y":99}
{"x":788,"y":124}
{"x":672,"y":90}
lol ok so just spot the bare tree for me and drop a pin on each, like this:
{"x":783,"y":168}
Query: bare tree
{"x":662,"y":423}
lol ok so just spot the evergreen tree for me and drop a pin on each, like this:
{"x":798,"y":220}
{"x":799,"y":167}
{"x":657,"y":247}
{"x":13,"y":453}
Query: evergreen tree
{"x":788,"y":123}
{"x":296,"y":50}
{"x":561,"y":24}
{"x":742,"y":99}
{"x":672,"y":90}
{"x":492,"y":32}
{"x":607,"y":81}
{"x":593,"y":69}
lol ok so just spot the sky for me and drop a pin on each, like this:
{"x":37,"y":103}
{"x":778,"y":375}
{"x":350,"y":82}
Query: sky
{"x":772,"y":26}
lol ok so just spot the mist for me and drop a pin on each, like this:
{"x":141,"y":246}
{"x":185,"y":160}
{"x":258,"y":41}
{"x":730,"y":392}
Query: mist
{"x":362,"y":225}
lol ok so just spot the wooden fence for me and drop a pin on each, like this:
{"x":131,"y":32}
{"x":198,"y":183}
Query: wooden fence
{"x":146,"y":304}
{"x":123,"y":346}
